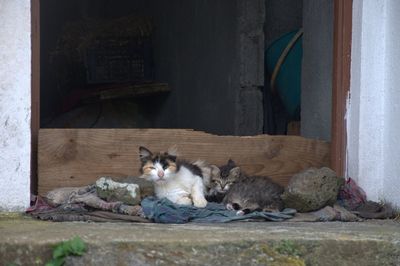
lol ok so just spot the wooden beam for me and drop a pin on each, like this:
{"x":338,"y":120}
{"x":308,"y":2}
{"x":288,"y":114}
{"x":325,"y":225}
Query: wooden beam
{"x":77,"y":157}
{"x":35,"y":91}
{"x":341,"y":81}
{"x":134,"y":90}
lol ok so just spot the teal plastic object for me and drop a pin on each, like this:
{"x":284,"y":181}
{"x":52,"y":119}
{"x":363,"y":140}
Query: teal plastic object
{"x":288,"y":80}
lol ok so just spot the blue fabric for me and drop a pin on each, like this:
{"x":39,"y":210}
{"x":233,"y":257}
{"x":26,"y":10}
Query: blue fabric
{"x":164,"y":211}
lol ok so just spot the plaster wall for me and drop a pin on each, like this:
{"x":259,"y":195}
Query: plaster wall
{"x":15,"y":103}
{"x":372,"y":119}
{"x":391,"y":152}
{"x":316,"y":84}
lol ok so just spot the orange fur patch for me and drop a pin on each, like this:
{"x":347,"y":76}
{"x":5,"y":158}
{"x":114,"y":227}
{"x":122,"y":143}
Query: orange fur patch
{"x":147,"y":168}
{"x":171,"y":166}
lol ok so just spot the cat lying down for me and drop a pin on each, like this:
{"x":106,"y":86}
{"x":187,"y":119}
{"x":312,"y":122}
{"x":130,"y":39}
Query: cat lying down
{"x":243,"y":193}
{"x":188,"y":183}
{"x":177,"y":180}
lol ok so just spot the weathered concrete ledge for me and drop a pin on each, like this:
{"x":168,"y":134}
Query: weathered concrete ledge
{"x":25,"y":241}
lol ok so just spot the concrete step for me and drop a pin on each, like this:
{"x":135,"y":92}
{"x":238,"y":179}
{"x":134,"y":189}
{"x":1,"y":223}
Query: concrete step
{"x":24,"y":241}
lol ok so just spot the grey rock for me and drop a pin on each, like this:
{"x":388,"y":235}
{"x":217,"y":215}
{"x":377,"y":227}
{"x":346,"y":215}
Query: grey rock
{"x":146,"y":187}
{"x":312,"y":189}
{"x":111,"y":191}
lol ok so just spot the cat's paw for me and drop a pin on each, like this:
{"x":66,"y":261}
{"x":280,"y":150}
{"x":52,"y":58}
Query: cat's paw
{"x":200,"y":203}
{"x":240,"y":213}
{"x":229,"y":207}
{"x":271,"y":209}
{"x":184,"y":201}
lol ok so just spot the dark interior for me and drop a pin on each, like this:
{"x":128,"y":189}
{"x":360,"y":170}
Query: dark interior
{"x":168,"y":64}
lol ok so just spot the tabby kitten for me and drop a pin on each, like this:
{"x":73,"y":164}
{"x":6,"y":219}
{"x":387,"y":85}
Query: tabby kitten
{"x":221,"y":179}
{"x":177,"y":180}
{"x":251,"y":193}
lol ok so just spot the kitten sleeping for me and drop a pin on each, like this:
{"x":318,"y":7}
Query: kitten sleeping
{"x":177,"y":180}
{"x":248,"y":193}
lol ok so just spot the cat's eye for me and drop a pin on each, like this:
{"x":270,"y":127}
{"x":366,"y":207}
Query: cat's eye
{"x":152,"y":168}
{"x":165,"y":167}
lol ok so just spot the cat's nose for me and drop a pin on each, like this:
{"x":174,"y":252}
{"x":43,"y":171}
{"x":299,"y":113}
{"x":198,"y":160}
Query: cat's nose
{"x":160,"y":173}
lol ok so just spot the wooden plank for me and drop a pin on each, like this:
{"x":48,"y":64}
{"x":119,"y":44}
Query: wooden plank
{"x":341,"y":81}
{"x":77,"y":157}
{"x":138,"y":90}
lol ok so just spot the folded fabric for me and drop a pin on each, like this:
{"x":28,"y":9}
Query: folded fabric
{"x":353,"y":198}
{"x":164,"y":211}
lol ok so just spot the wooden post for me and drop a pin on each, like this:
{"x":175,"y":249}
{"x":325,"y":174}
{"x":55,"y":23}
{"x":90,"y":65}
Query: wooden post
{"x":341,"y":81}
{"x":35,"y":91}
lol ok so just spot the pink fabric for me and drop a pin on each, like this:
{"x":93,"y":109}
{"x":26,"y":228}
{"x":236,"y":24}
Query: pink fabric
{"x":40,"y":205}
{"x":351,"y":195}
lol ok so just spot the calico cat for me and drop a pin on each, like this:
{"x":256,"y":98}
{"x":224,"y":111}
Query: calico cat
{"x":221,"y":179}
{"x":250,"y":193}
{"x":177,"y":180}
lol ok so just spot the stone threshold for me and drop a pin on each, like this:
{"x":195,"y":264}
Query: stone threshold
{"x":25,"y":241}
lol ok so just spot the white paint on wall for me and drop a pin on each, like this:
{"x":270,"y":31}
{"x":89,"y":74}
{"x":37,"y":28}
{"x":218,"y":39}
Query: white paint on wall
{"x":373,"y":126}
{"x":365,"y":123}
{"x":391,"y":181}
{"x":15,"y":104}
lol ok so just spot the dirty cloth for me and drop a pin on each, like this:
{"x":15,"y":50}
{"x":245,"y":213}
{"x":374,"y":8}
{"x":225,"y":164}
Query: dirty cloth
{"x":164,"y":211}
{"x":327,"y":214}
{"x":58,"y":215}
{"x":68,"y":212}
{"x":353,"y":198}
{"x":86,"y":196}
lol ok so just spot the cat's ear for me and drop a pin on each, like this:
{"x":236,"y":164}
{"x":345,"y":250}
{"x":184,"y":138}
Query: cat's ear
{"x":214,"y":170}
{"x":231,"y":163}
{"x":144,"y":154}
{"x":172,"y":152}
{"x":235,"y":172}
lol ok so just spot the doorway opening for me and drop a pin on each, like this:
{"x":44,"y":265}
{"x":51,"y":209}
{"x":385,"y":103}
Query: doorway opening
{"x":201,"y":66}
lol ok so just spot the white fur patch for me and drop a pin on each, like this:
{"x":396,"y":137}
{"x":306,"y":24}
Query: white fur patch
{"x":180,"y":187}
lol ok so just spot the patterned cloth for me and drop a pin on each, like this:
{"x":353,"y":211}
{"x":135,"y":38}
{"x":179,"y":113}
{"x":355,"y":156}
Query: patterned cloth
{"x":86,"y":208}
{"x":164,"y":211}
{"x":351,"y":196}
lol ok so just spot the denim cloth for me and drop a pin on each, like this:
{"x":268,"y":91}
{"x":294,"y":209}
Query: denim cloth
{"x":164,"y":211}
